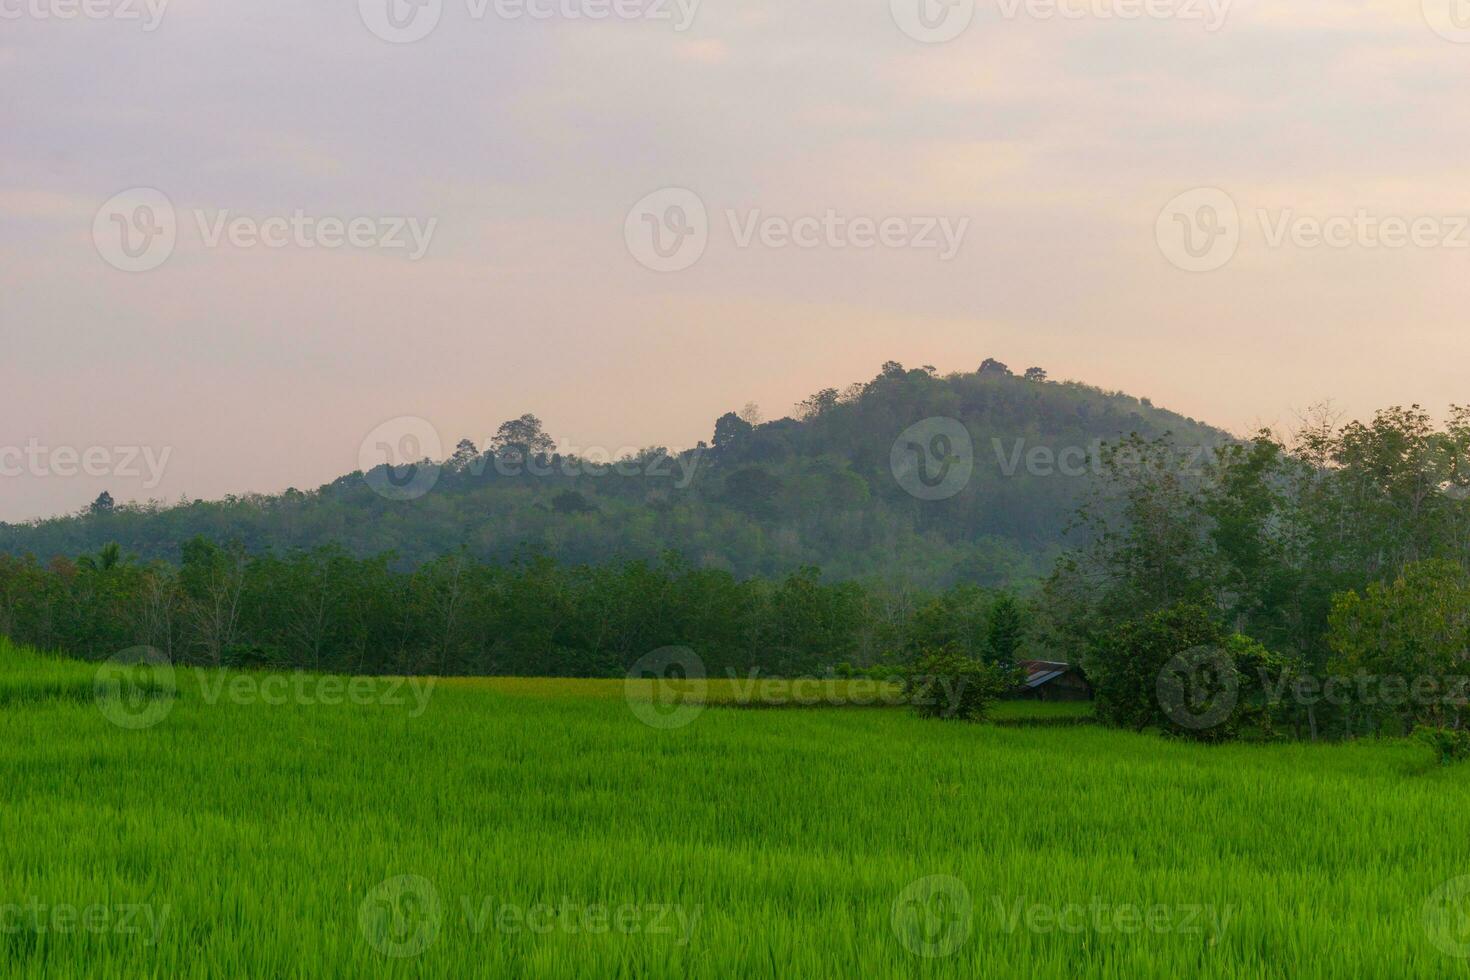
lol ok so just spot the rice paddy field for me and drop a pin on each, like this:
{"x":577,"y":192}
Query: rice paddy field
{"x":224,"y":825}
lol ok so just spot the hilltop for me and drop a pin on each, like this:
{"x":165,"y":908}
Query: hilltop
{"x":872,"y":481}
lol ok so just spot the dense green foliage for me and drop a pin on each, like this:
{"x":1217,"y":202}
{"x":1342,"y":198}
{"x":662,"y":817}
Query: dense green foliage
{"x":947,"y":684}
{"x":1412,"y":636}
{"x":1126,"y":664}
{"x":1343,"y":558}
{"x":325,"y":610}
{"x":765,"y":499}
{"x":1449,"y":744}
{"x":258,"y":836}
{"x":1178,"y":670}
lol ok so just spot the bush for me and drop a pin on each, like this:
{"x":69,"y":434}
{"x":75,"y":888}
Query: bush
{"x":1179,"y":671}
{"x":1126,"y":665}
{"x":1449,"y":744}
{"x":945,"y":683}
{"x":1265,"y":676}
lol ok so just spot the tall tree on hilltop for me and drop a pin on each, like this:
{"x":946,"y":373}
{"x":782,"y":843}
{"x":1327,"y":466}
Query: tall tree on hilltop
{"x":523,"y":437}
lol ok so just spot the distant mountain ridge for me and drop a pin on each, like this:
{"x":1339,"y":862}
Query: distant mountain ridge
{"x":874,"y":482}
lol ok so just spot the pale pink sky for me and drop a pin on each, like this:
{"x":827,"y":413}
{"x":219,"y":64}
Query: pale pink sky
{"x":529,"y":140}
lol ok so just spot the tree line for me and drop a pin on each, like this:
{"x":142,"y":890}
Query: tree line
{"x":1316,"y":584}
{"x":325,"y":610}
{"x":1321,"y":581}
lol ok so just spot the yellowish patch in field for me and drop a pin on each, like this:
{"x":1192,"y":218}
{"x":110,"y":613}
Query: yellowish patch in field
{"x":541,"y":687}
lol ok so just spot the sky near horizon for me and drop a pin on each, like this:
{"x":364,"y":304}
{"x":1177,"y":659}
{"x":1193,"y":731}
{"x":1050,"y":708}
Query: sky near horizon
{"x":235,"y":238}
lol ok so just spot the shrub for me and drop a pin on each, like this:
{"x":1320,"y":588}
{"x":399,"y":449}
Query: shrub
{"x":1265,"y":678}
{"x":944,"y":683}
{"x":1449,"y":744}
{"x":1125,"y":666}
{"x":1179,"y":671}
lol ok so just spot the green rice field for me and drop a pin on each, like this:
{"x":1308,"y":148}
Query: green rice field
{"x":294,"y":826}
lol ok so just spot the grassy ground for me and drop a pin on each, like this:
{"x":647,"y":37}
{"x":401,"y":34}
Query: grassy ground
{"x":525,"y":828}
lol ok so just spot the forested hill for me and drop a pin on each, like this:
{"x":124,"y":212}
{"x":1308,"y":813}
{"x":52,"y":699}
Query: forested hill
{"x":873,"y":481}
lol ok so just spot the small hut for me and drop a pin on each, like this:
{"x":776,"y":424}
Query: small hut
{"x":1052,"y":680}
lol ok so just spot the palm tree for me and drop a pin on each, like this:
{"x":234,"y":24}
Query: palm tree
{"x":108,"y":558}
